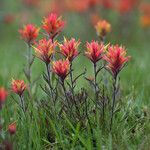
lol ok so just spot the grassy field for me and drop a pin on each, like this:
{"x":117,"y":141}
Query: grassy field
{"x":40,"y":130}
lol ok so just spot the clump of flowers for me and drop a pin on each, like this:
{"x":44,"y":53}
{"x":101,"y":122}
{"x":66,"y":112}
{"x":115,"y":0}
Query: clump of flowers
{"x":61,"y":96}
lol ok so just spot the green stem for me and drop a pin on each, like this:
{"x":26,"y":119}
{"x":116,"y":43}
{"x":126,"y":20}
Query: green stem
{"x":95,"y":85}
{"x":113,"y":102}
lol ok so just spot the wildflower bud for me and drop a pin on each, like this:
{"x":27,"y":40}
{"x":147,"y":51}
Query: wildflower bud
{"x":94,"y":51}
{"x":18,"y":86}
{"x":52,"y":24}
{"x":29,"y":33}
{"x":116,"y":59}
{"x":103,"y":28}
{"x":12,"y":128}
{"x":61,"y":68}
{"x":3,"y":96}
{"x":69,"y":48}
{"x":44,"y":49}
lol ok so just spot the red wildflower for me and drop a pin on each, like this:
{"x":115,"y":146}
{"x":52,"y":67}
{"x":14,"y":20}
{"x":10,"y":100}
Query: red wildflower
{"x":145,"y":17}
{"x":125,"y":6}
{"x":3,"y":96}
{"x":52,"y":24}
{"x":69,"y":48}
{"x":44,"y":50}
{"x":29,"y":33}
{"x":12,"y":128}
{"x":61,"y":68}
{"x":102,"y":28}
{"x":77,"y":5}
{"x":107,"y":3}
{"x":94,"y":51}
{"x":116,"y":59}
{"x":18,"y":86}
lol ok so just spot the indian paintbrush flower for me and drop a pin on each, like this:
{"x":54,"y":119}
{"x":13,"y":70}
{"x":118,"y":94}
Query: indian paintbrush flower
{"x":52,"y":24}
{"x":29,"y":33}
{"x":44,"y":49}
{"x":116,"y":59}
{"x":103,"y":28}
{"x":61,"y":68}
{"x":3,"y":96}
{"x":94,"y":51}
{"x":69,"y":48}
{"x":18,"y":86}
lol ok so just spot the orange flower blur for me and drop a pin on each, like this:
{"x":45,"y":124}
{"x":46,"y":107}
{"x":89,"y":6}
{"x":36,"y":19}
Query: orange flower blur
{"x":18,"y":86}
{"x":61,"y":68}
{"x":94,"y":51}
{"x":12,"y":128}
{"x":116,"y":59}
{"x":44,"y":49}
{"x":102,"y":28}
{"x":69,"y":48}
{"x":29,"y":33}
{"x":52,"y":24}
{"x":3,"y":96}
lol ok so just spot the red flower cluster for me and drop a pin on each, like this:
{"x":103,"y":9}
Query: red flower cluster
{"x":124,"y":6}
{"x":61,"y":68}
{"x":44,"y":49}
{"x":69,"y":48}
{"x":94,"y":51}
{"x":116,"y":59}
{"x":12,"y":128}
{"x":52,"y":24}
{"x":3,"y":96}
{"x":29,"y":33}
{"x":18,"y":86}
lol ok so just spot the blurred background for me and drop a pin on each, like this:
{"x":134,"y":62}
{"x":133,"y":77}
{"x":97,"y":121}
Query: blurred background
{"x":130,"y":20}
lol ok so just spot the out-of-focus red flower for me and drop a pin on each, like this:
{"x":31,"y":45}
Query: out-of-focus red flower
{"x":145,"y":21}
{"x":145,"y":14}
{"x":61,"y":68}
{"x":8,"y":19}
{"x":125,"y":6}
{"x":3,"y":96}
{"x":31,"y":2}
{"x":44,"y":49}
{"x":93,"y":2}
{"x":94,"y":51}
{"x":7,"y":145}
{"x":18,"y":86}
{"x":53,"y":24}
{"x":107,"y":4}
{"x":77,"y":5}
{"x":69,"y":48}
{"x":116,"y":59}
{"x":29,"y":33}
{"x":12,"y":128}
{"x":102,"y":28}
